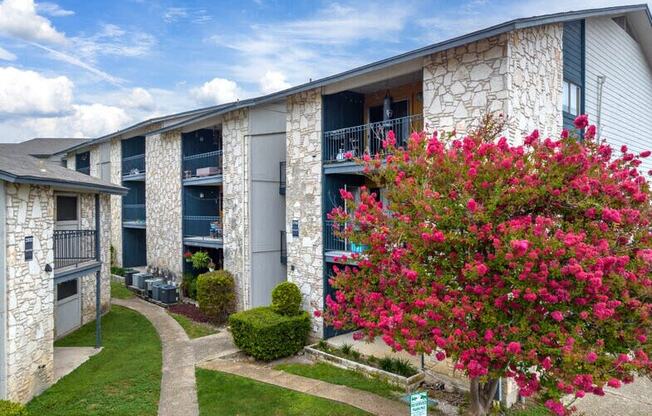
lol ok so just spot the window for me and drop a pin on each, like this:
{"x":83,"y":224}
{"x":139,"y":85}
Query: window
{"x":29,"y":248}
{"x":572,"y":98}
{"x":66,"y":289}
{"x":66,"y":208}
{"x":624,"y":25}
{"x":83,"y":163}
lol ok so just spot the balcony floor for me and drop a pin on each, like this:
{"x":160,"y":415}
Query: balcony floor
{"x":134,"y":224}
{"x":206,"y":242}
{"x":331,"y":256}
{"x":203,"y":180}
{"x":86,"y":266}
{"x":136,"y":177}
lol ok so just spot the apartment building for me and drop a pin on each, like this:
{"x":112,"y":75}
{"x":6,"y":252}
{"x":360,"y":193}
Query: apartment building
{"x":252,"y":181}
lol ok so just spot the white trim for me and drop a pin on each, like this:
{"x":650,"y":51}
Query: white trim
{"x":3,"y":294}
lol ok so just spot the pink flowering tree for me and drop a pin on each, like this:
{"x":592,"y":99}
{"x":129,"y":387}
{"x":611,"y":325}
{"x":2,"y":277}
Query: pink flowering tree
{"x":531,"y":262}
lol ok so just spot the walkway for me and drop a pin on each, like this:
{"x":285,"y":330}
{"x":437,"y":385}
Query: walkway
{"x":178,"y":391}
{"x":366,"y":401}
{"x":629,"y":400}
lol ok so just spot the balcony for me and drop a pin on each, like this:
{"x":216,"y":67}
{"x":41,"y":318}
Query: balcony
{"x":73,"y":248}
{"x":335,"y":247}
{"x":368,"y":138}
{"x":202,"y":231}
{"x":203,"y":169}
{"x":282,"y":182}
{"x":133,"y":168}
{"x":133,"y":216}
{"x":284,"y":248}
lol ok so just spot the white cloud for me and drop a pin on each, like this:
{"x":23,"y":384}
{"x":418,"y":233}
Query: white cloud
{"x":273,"y":81}
{"x":217,"y":91}
{"x":175,"y":14}
{"x":18,"y":18}
{"x":138,"y":98}
{"x":30,"y":93}
{"x":5,"y":55}
{"x":53,"y":9}
{"x":114,"y":40}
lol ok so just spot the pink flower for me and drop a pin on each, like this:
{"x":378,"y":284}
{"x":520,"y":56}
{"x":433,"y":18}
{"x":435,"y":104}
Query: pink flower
{"x":557,"y":316}
{"x":472,"y":206}
{"x":441,"y":356}
{"x":645,"y":153}
{"x":591,"y":357}
{"x":555,"y":407}
{"x":520,"y":246}
{"x":590,"y":132}
{"x":564,"y":134}
{"x":514,"y":347}
{"x":614,"y":383}
{"x":611,"y":215}
{"x":641,"y":338}
{"x":581,"y":121}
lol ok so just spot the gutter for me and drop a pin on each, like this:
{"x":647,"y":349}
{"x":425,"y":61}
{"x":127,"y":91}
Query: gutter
{"x":34,"y":180}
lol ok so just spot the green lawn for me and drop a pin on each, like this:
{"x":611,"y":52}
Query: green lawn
{"x":119,"y":291}
{"x":222,"y":394}
{"x":192,"y":328}
{"x":123,"y":379}
{"x":531,"y":410}
{"x":335,"y":375}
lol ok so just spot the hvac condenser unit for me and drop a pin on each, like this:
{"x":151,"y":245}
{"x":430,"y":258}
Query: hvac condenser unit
{"x":139,"y":280}
{"x":149,"y":283}
{"x":167,"y":294}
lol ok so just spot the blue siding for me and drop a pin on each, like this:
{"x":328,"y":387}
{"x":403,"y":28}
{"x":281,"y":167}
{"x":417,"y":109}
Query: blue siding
{"x":134,"y":250}
{"x":574,"y":61}
{"x":344,"y":109}
{"x":134,"y":146}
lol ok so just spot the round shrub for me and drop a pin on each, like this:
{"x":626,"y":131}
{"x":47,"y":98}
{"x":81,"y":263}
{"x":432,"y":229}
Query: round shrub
{"x":8,"y":408}
{"x":286,"y":299}
{"x":216,"y":294}
{"x":267,"y":335}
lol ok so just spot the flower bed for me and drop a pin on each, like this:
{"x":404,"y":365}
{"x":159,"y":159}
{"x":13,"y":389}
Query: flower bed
{"x":394,"y":371}
{"x":190,"y":311}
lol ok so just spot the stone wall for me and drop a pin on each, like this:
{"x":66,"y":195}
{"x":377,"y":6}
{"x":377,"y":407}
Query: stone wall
{"x":30,"y":291}
{"x":237,"y":251}
{"x":163,"y":201}
{"x":116,"y":200}
{"x":303,"y":199}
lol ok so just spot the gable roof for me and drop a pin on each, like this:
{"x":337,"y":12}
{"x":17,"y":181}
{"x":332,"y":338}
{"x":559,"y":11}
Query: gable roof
{"x":41,"y":147}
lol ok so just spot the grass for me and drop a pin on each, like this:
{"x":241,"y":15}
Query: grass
{"x":192,"y":328}
{"x":123,"y":379}
{"x":222,"y":394}
{"x":119,"y":291}
{"x":335,"y":375}
{"x":530,"y":410}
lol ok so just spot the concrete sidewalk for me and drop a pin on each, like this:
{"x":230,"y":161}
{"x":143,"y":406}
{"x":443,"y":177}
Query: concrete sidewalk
{"x":67,"y":359}
{"x":366,"y":401}
{"x":630,"y":400}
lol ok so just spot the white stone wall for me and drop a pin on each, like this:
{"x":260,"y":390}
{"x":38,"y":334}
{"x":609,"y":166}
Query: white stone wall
{"x":237,"y":251}
{"x":163,"y":201}
{"x":303,"y":199}
{"x":30,"y":291}
{"x":116,"y":200}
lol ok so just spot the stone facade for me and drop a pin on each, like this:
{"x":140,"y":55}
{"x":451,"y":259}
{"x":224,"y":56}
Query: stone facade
{"x":303,"y":199}
{"x":29,"y":340}
{"x":237,"y":250}
{"x":116,"y":200}
{"x":163,"y":201}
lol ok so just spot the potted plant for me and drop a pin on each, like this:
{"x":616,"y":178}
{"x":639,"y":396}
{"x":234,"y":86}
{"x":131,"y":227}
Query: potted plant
{"x":200,"y":260}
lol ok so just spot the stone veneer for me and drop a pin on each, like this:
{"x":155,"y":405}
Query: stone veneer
{"x":116,"y":200}
{"x":237,"y":253}
{"x":518,"y":74}
{"x":29,"y":345}
{"x":303,"y":199}
{"x":163,"y":201}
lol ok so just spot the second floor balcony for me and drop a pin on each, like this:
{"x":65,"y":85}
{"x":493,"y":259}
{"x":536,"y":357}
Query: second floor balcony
{"x":74,"y":248}
{"x":336,"y":246}
{"x":203,"y":168}
{"x":133,"y":215}
{"x":202,"y":231}
{"x":133,"y":168}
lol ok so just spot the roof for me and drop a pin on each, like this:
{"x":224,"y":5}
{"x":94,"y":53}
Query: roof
{"x":41,"y":147}
{"x":509,"y":26}
{"x":22,"y":168}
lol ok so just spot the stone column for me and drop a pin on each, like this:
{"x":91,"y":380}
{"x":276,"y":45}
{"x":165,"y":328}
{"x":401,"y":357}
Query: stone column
{"x":116,"y":200}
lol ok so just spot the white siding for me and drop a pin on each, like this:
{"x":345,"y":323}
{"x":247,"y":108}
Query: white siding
{"x":627,"y":92}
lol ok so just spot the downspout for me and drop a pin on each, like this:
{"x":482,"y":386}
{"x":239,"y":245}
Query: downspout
{"x":3,"y":294}
{"x":601,"y":80}
{"x":98,"y":286}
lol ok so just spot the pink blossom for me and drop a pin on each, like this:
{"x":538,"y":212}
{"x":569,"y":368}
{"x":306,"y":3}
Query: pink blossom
{"x":472,"y":206}
{"x":645,"y":153}
{"x":590,"y":132}
{"x":441,"y":356}
{"x":514,"y":347}
{"x":581,"y":121}
{"x":614,"y":383}
{"x":591,"y":357}
{"x":557,"y":316}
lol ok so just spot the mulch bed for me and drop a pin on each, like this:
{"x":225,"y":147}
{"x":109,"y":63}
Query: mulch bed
{"x":190,"y":311}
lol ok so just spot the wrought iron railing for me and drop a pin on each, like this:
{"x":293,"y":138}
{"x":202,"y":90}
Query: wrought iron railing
{"x":133,"y":213}
{"x":211,"y":162}
{"x":202,"y":226}
{"x":368,"y":138}
{"x":73,"y":247}
{"x":133,"y":165}
{"x":332,"y":242}
{"x":282,"y":184}
{"x":284,"y":248}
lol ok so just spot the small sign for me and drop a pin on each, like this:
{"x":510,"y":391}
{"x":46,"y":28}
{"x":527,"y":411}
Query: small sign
{"x":29,"y":248}
{"x":419,"y":404}
{"x":295,"y":228}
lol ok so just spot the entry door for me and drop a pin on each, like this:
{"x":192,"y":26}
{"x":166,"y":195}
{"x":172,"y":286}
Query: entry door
{"x":67,"y":310}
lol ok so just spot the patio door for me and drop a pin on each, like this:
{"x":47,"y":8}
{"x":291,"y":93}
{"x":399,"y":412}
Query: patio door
{"x":67,"y":308}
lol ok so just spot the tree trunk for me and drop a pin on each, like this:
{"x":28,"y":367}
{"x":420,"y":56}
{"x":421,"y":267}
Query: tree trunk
{"x":482,"y":395}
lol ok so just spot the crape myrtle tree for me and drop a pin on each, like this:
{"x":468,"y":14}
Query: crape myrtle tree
{"x":531,"y":262}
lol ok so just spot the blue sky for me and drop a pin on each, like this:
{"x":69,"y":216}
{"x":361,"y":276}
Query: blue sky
{"x":86,"y":68}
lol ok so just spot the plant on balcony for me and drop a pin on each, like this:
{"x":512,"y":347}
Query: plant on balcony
{"x":531,"y":262}
{"x":200,"y":260}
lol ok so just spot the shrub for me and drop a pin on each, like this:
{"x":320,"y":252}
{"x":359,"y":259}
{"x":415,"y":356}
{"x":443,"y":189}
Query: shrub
{"x":118,"y":271}
{"x":399,"y":366}
{"x":267,"y":335}
{"x":8,"y":408}
{"x":189,"y":285}
{"x":200,"y":260}
{"x":286,"y":299}
{"x":216,"y":294}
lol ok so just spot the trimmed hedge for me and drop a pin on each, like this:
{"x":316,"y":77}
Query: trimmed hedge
{"x":267,"y":335}
{"x":216,"y":294}
{"x":8,"y":408}
{"x":286,"y":299}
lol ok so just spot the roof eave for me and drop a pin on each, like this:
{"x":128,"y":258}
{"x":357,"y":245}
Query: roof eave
{"x":62,"y":184}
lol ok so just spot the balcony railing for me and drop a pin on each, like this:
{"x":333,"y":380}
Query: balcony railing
{"x":333,"y":242}
{"x":133,"y":213}
{"x":368,"y":138}
{"x":133,"y":165}
{"x":208,"y":164}
{"x":284,"y":248}
{"x":73,"y":247}
{"x":282,"y":183}
{"x":202,"y":226}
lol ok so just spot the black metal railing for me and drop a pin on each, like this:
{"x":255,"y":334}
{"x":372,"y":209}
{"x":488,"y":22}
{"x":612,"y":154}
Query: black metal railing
{"x":332,"y":242}
{"x":73,"y":247}
{"x":202,"y":226}
{"x":284,"y":248}
{"x":282,"y":182}
{"x":210,"y":163}
{"x":133,"y":165}
{"x":368,"y":138}
{"x":133,"y":213}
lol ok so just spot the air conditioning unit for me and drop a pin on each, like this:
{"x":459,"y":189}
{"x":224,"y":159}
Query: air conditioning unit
{"x":156,"y":290}
{"x":168,"y":294}
{"x":139,"y":280}
{"x":149,"y":284}
{"x":129,"y":277}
